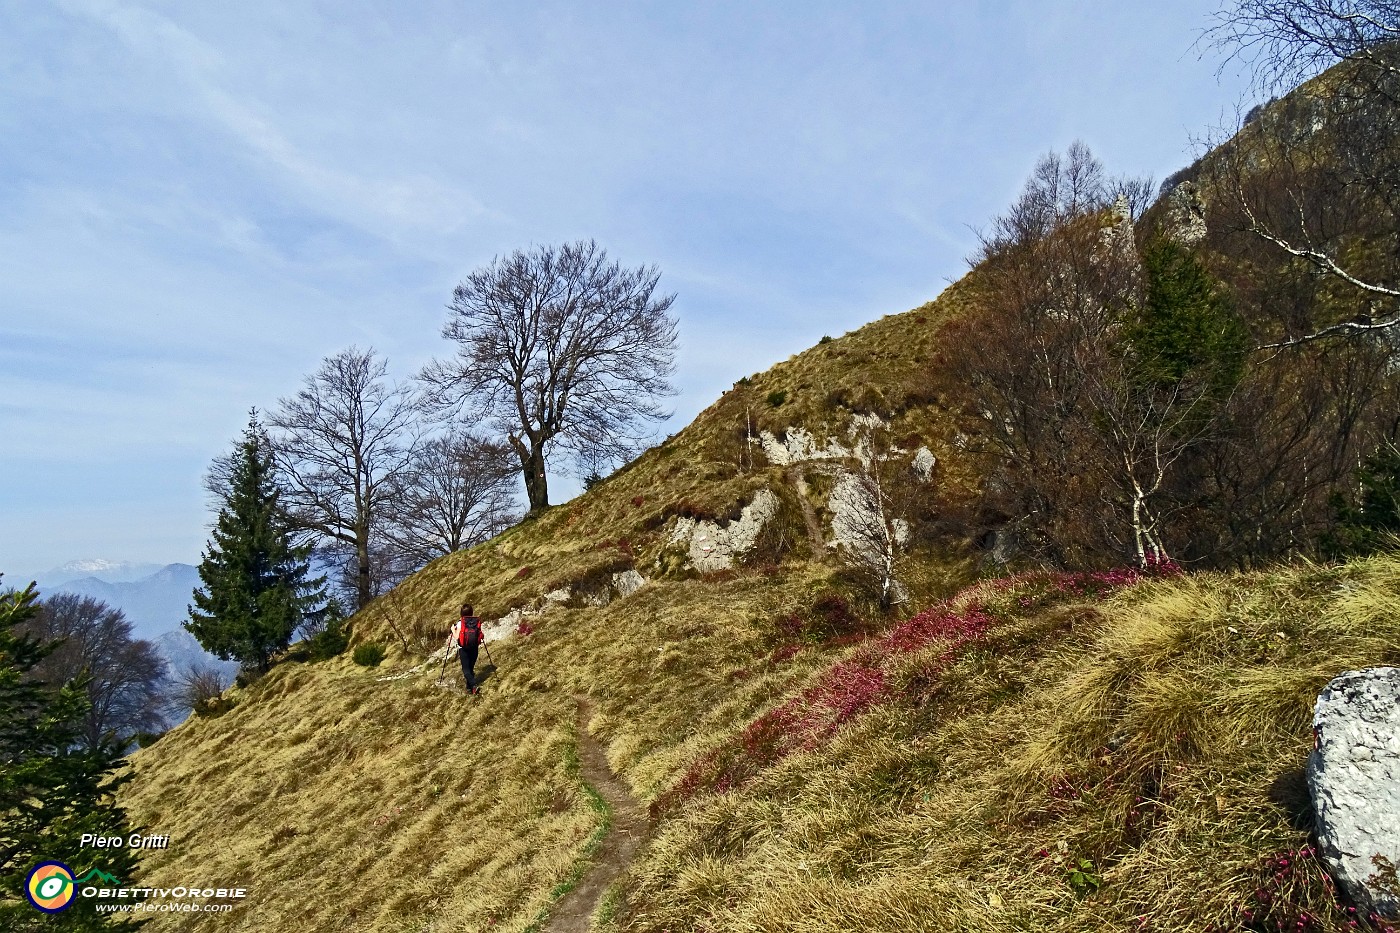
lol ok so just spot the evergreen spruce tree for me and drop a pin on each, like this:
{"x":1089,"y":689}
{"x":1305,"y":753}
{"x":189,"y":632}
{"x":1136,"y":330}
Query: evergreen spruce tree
{"x":1373,"y":522}
{"x":1187,"y":330}
{"x":256,"y":587}
{"x":53,"y":789}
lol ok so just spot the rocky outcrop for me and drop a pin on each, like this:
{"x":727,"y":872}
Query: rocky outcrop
{"x":627,"y":582}
{"x":797,"y":445}
{"x":712,"y":547}
{"x":1354,"y":778}
{"x":1186,"y":214}
{"x":923,"y":463}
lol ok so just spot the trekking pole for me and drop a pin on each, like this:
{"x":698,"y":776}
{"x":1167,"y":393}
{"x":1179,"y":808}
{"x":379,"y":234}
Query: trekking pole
{"x":488,"y":654}
{"x":446,"y":653}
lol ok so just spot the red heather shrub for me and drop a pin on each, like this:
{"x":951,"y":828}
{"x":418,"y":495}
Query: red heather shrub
{"x":522,"y":573}
{"x":941,"y":623}
{"x":808,"y":720}
{"x":851,"y":687}
{"x":638,"y":500}
{"x":1293,"y":892}
{"x":783,"y":652}
{"x":524,"y":628}
{"x":791,"y":625}
{"x":828,"y":621}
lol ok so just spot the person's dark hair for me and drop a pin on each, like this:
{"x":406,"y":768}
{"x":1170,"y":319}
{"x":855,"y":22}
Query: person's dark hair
{"x":466,"y":609}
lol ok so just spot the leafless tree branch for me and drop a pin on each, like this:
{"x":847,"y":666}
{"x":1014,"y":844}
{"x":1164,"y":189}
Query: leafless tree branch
{"x":558,"y":347}
{"x":341,"y":444}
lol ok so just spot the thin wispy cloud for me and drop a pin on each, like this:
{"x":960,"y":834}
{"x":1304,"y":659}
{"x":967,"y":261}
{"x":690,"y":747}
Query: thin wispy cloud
{"x":201,"y":201}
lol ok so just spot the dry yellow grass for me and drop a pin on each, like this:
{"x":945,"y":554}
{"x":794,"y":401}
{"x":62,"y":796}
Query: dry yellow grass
{"x":344,"y":800}
{"x":347,"y":801}
{"x":1159,"y":736}
{"x":371,"y":800}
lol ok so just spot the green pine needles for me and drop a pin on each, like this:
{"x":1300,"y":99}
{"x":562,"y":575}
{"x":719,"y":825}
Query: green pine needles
{"x":1187,"y":330}
{"x":256,"y":587}
{"x":53,"y":789}
{"x":1372,"y":522}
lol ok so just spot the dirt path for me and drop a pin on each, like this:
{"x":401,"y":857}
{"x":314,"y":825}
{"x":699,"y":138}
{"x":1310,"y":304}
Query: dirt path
{"x":629,"y":830}
{"x":809,"y":514}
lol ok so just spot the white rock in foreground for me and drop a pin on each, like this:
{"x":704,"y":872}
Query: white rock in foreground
{"x":1354,"y":779}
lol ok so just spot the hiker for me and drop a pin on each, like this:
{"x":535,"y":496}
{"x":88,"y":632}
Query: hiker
{"x":468,"y":636}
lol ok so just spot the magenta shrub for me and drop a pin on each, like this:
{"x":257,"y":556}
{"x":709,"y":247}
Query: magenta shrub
{"x":851,"y":687}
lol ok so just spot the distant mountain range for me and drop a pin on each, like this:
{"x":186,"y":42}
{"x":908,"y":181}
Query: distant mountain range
{"x":109,"y":571}
{"x":154,"y":599}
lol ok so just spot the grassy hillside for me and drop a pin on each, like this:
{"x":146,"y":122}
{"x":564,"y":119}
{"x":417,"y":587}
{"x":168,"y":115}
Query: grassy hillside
{"x":1055,"y":752}
{"x":809,"y":764}
{"x":1101,"y":751}
{"x":949,"y":773}
{"x":354,"y":798}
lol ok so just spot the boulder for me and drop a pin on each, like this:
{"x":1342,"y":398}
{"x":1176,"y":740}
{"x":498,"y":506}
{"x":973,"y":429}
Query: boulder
{"x":627,"y":582}
{"x":1354,"y":779}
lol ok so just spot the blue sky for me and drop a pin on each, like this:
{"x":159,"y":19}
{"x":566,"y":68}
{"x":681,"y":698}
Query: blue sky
{"x":199,"y":202}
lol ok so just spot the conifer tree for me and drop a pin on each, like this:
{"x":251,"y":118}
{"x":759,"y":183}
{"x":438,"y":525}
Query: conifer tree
{"x":1373,"y":522}
{"x":53,"y":788}
{"x":255,"y":579}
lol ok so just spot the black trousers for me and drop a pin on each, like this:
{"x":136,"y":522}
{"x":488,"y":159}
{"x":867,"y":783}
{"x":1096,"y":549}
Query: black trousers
{"x":467,"y":655}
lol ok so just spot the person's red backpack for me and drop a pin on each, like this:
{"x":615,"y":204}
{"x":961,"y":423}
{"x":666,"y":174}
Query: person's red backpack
{"x":469,"y":632}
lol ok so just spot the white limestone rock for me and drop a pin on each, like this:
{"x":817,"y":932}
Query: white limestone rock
{"x":505,"y":627}
{"x":685,"y":527}
{"x":627,"y":582}
{"x":798,"y":446}
{"x":1354,"y":779}
{"x":855,"y":516}
{"x":712,"y":547}
{"x":1186,"y":214}
{"x":924,"y":462}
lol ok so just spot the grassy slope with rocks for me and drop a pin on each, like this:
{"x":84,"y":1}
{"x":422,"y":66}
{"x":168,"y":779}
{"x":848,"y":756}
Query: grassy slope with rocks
{"x":368,"y":798}
{"x":1042,"y":753}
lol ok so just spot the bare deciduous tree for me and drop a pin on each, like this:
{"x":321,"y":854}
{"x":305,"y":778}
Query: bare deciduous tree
{"x":1094,"y":371}
{"x":1287,"y":41}
{"x":1323,"y":175}
{"x":124,"y":674}
{"x":456,"y":492}
{"x":193,"y":685}
{"x":342,"y":444}
{"x":559,"y":348}
{"x":871,"y":503}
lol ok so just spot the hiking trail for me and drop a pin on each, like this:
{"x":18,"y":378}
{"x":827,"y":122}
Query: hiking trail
{"x":798,"y":479}
{"x":574,"y":911}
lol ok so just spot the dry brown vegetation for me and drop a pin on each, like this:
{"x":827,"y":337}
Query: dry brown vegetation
{"x":357,"y":799}
{"x":1156,"y":734}
{"x":354,"y":798}
{"x":1152,"y":742}
{"x":1048,"y":752}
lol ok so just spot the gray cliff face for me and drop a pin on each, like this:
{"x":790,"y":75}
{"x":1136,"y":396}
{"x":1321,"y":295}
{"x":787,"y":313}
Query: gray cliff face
{"x":1354,"y":778}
